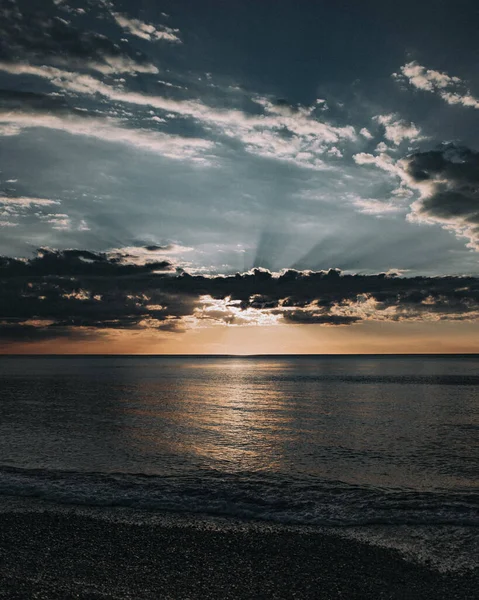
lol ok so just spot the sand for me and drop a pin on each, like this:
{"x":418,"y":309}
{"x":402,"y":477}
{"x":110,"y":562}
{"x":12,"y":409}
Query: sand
{"x":70,"y":555}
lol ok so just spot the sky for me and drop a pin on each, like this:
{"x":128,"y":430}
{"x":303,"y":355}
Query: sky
{"x":239,"y":177}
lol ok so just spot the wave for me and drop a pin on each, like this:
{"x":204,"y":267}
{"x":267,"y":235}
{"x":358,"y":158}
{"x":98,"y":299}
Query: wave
{"x":252,"y":496}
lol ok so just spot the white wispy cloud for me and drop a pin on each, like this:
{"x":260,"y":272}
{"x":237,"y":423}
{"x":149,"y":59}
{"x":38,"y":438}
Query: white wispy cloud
{"x":110,"y":66}
{"x":64,"y":222}
{"x":426,"y":79}
{"x":366,"y":133}
{"x":397,"y":130}
{"x":120,"y":64}
{"x":398,"y":169}
{"x":13,"y":208}
{"x":306,"y":141}
{"x":26,"y":201}
{"x":451,"y":89}
{"x":382,"y":161}
{"x":110,"y":130}
{"x":8,"y":130}
{"x":146,"y":31}
{"x":467,"y":100}
{"x":59,"y":221}
{"x":372,"y":206}
{"x":382,"y":147}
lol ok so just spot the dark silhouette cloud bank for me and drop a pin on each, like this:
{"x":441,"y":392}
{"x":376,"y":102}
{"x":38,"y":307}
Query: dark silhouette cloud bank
{"x":79,"y":294}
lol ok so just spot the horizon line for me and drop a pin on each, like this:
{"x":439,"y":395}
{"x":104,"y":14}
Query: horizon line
{"x":263,"y":355}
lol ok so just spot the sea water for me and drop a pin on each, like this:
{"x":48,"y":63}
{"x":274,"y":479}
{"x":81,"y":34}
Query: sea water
{"x":384,"y":449}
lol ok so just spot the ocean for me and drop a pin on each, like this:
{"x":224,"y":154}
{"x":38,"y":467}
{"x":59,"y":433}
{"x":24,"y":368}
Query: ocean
{"x":378,"y":448}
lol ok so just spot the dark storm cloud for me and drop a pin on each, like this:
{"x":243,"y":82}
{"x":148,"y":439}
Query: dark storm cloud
{"x":155,"y":248}
{"x":74,"y":263}
{"x":308,"y":318}
{"x":78,"y":290}
{"x":458,"y":165}
{"x":39,"y":32}
{"x":449,"y":180}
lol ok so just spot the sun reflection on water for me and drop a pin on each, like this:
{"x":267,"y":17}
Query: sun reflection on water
{"x":240,"y":418}
{"x":224,"y":413}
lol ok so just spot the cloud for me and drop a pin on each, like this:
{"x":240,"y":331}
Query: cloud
{"x":372,"y":206}
{"x":37,"y":35}
{"x":451,"y":89}
{"x":146,"y":31}
{"x":382,"y":147}
{"x":366,"y":133}
{"x":63,"y":222}
{"x":225,"y":311}
{"x":398,"y":130}
{"x":109,"y":130}
{"x":24,"y":201}
{"x":66,"y":80}
{"x":58,"y":221}
{"x":13,"y":207}
{"x":175,"y":254}
{"x":426,"y":79}
{"x":81,"y":290}
{"x":282,"y":132}
{"x":75,"y":263}
{"x":33,"y":101}
{"x":9,"y":130}
{"x":308,"y":317}
{"x":448,"y":181}
{"x":445,"y":183}
{"x":382,"y":161}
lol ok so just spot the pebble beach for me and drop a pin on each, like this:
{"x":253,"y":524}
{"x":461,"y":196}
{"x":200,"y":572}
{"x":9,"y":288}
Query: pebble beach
{"x":51,"y":555}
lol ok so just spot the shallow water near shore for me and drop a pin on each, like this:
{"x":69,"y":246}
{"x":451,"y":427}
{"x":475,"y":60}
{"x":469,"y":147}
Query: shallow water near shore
{"x":383,"y":449}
